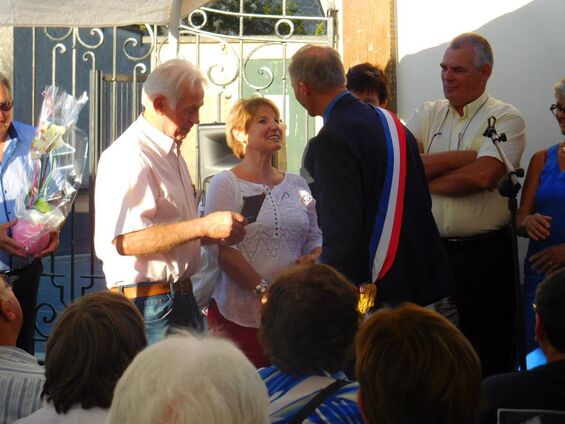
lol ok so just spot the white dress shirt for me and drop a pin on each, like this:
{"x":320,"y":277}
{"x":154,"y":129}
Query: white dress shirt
{"x":143,"y":180}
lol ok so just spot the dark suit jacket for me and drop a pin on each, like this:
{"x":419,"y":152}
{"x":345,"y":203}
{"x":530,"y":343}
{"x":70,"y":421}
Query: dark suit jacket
{"x":347,"y":162}
{"x":541,"y":388}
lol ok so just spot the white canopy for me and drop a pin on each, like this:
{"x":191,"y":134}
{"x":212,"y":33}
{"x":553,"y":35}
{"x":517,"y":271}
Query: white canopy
{"x":94,"y":13}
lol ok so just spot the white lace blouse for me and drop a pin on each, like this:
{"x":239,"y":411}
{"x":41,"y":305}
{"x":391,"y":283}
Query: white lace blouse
{"x":286,"y":228}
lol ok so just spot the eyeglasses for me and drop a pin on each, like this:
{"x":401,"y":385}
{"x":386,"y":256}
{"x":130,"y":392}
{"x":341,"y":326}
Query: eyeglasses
{"x":556,"y":108}
{"x":6,"y":106}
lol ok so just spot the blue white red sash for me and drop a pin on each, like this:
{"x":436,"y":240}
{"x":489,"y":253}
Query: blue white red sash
{"x":388,"y":222}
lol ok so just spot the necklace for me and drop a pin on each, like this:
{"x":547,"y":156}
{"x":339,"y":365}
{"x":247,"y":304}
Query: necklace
{"x":461,"y":134}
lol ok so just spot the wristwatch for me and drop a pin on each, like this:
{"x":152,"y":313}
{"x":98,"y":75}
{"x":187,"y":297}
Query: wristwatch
{"x":261,"y":288}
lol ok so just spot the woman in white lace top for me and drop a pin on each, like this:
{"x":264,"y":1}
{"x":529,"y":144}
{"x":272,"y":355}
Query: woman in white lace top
{"x":286,"y":230}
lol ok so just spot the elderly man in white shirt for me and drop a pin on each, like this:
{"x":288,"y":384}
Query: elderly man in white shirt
{"x":463,"y":170}
{"x":147,"y":231}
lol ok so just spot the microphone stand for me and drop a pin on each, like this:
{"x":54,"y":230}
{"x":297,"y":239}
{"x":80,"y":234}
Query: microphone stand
{"x":509,"y":188}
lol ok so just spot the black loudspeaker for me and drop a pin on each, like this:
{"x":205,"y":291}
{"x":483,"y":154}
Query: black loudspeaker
{"x":214,"y":155}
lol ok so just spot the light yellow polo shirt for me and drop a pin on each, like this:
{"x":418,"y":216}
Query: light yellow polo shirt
{"x":439,"y":128}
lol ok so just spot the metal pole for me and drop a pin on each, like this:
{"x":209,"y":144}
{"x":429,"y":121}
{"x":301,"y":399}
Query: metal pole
{"x":174,"y":25}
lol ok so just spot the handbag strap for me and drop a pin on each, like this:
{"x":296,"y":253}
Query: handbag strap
{"x":317,"y":400}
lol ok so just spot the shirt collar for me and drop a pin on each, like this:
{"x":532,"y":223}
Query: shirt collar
{"x":471,"y":108}
{"x":162,"y":140}
{"x":12,"y":133}
{"x":331,"y":105}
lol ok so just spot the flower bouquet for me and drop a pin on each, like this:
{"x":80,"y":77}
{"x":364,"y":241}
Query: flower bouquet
{"x":57,"y":156}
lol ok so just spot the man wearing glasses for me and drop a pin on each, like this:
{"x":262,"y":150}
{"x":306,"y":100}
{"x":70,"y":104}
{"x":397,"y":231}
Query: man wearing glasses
{"x":463,"y":170}
{"x":15,"y":166}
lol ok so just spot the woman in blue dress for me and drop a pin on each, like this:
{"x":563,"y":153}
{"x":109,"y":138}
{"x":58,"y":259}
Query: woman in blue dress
{"x":542,"y":214}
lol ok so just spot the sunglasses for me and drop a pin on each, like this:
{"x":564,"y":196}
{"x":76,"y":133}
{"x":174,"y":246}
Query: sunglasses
{"x":6,"y":106}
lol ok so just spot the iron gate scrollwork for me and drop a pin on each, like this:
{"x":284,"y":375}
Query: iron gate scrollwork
{"x":245,"y":58}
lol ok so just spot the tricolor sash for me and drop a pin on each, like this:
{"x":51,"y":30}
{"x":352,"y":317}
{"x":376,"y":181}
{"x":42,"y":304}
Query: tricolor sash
{"x":388,"y":222}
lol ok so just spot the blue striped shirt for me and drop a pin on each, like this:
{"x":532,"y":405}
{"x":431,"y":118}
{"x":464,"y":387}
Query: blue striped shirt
{"x":21,"y":382}
{"x":288,"y":394}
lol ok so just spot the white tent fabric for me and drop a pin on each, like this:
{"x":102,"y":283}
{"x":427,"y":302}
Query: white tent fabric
{"x":92,"y":13}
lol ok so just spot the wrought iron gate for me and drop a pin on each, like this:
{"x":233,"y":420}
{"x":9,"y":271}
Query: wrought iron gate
{"x":242,"y":52}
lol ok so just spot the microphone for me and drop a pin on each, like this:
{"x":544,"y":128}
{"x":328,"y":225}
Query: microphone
{"x":490,"y":130}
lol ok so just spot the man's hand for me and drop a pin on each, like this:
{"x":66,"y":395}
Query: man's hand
{"x":52,"y":246}
{"x":225,"y":228}
{"x":537,"y":226}
{"x":8,"y":244}
{"x":549,"y":260}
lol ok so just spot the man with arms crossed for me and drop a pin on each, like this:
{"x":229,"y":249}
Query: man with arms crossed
{"x":147,"y":231}
{"x":463,"y":170}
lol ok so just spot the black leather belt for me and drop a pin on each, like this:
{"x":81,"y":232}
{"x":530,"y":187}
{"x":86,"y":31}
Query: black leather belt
{"x":474,"y":240}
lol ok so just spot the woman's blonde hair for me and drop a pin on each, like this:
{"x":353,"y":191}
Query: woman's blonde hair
{"x":239,"y":118}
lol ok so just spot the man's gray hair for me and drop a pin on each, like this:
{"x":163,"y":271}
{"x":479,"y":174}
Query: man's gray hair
{"x":168,"y":79}
{"x":559,"y":89}
{"x":6,"y":83}
{"x":318,"y":66}
{"x":483,"y":50}
{"x":186,"y":379}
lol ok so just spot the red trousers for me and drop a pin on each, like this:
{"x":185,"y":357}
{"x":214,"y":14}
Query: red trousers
{"x":246,"y":338}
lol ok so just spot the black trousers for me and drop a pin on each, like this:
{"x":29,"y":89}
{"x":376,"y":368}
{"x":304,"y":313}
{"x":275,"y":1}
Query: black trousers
{"x":484,"y":293}
{"x":25,"y":283}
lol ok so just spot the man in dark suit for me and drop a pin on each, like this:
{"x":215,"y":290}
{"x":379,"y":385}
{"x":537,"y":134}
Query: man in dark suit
{"x":542,"y":388}
{"x":356,"y":177}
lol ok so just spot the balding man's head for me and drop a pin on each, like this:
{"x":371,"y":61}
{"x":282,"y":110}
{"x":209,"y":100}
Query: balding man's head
{"x":318,"y":66}
{"x":10,"y":314}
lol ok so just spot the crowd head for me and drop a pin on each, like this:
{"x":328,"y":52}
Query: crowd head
{"x":550,"y":310}
{"x":310,"y":319}
{"x":319,"y":67}
{"x":482,"y":49}
{"x":90,"y":346}
{"x":368,"y":83}
{"x":465,"y":69}
{"x":5,"y":82}
{"x":558,"y":109}
{"x":559,"y":90}
{"x":172,"y":97}
{"x":170,"y":79}
{"x":239,"y":119}
{"x":413,"y":365}
{"x":10,"y":314}
{"x":6,"y":110}
{"x":186,"y":379}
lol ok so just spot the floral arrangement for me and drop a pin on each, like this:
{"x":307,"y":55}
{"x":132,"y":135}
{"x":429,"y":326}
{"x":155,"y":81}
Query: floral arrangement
{"x":58,"y":156}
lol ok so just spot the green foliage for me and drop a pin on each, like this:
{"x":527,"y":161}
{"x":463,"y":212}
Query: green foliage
{"x":230,"y":25}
